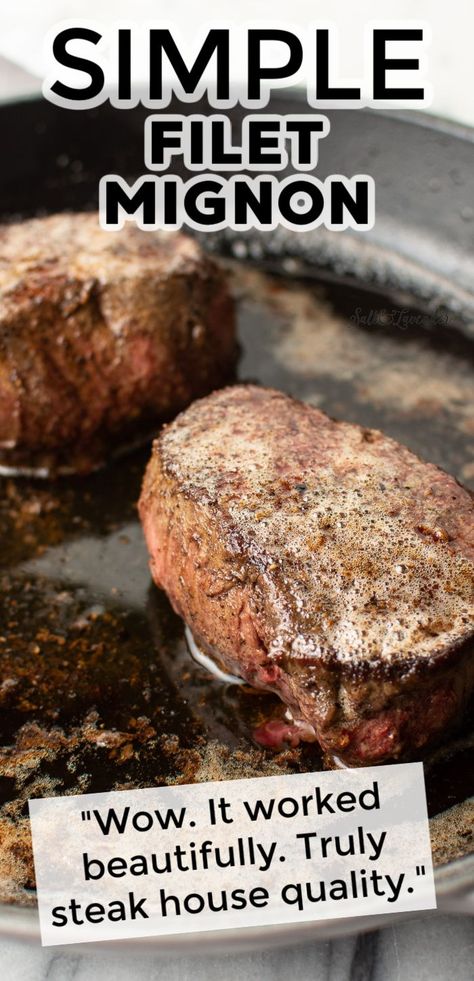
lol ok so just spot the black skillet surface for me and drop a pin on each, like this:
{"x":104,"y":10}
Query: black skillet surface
{"x":97,"y":688}
{"x":422,"y":242}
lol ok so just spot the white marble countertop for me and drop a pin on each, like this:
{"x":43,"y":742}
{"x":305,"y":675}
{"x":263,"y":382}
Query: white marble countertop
{"x":450,"y":64}
{"x":431,"y":947}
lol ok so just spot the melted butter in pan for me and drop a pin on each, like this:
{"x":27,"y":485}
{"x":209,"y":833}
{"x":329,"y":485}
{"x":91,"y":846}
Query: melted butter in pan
{"x":97,"y":687}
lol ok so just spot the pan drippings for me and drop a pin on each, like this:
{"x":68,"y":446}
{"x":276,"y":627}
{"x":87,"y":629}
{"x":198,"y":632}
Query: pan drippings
{"x":97,"y":687}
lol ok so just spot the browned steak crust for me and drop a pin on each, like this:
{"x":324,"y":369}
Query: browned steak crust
{"x":321,"y":560}
{"x":101,"y":335}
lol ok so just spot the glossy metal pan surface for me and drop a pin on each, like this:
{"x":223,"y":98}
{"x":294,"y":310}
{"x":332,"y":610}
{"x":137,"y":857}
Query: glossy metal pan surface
{"x":374,"y":327}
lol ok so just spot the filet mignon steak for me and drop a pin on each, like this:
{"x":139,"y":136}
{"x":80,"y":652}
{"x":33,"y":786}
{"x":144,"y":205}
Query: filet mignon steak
{"x":321,"y":560}
{"x":101,"y":335}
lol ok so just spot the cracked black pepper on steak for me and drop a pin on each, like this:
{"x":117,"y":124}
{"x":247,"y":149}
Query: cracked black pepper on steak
{"x":320,"y":560}
{"x":102,"y":335}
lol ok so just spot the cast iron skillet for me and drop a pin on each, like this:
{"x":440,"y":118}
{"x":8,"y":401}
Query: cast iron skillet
{"x":417,"y":258}
{"x":422,"y":242}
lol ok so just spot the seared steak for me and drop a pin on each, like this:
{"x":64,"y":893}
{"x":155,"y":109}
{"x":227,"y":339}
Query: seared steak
{"x":101,"y":335}
{"x":320,"y":560}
